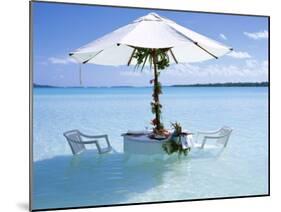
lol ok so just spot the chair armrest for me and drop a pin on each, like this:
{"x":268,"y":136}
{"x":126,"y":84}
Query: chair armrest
{"x":105,"y":136}
{"x":90,"y":142}
{"x":199,"y":133}
{"x":214,"y":137}
{"x":93,"y":136}
{"x":210,"y":137}
{"x":208,"y":132}
{"x":83,"y":142}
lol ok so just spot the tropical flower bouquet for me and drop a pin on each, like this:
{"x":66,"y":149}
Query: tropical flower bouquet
{"x":176,"y":142}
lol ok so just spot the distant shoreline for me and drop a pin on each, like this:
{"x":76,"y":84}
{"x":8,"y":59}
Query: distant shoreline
{"x":228,"y":84}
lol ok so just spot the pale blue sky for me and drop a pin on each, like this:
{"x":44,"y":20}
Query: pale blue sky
{"x":61,"y":28}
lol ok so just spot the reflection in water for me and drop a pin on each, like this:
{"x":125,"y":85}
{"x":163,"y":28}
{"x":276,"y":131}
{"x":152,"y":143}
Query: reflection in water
{"x":93,"y":179}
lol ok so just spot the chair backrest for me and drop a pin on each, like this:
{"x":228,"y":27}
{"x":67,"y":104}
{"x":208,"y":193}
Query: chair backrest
{"x":73,"y":136}
{"x":225,"y":132}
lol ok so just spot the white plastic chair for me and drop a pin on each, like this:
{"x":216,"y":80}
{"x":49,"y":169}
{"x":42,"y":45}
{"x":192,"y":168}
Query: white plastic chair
{"x":221,"y":136}
{"x":77,"y":144}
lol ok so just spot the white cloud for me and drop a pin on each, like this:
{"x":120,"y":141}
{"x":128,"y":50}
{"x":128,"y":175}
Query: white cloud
{"x":182,"y":69}
{"x":239,"y":55}
{"x":136,"y":72}
{"x":249,"y":71}
{"x":131,"y":73}
{"x":257,"y":35}
{"x":223,"y":36}
{"x":251,"y":63}
{"x":57,"y":60}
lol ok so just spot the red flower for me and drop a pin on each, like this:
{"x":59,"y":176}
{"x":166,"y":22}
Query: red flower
{"x":154,"y":122}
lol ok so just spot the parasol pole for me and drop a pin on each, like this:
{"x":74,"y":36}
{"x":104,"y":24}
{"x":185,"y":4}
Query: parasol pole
{"x":155,"y":92}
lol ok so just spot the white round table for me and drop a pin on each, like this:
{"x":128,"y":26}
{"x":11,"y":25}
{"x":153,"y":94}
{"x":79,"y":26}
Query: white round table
{"x":142,"y":144}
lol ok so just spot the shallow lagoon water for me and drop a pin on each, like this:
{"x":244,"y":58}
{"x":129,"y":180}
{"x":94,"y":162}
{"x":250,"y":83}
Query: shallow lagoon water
{"x":61,"y":180}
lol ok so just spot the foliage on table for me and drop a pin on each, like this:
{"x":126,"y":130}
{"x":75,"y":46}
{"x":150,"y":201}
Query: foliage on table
{"x":160,"y":60}
{"x":173,"y":145}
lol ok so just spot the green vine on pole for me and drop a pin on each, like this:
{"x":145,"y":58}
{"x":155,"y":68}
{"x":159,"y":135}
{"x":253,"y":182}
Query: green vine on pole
{"x":144,"y":54}
{"x":160,"y":60}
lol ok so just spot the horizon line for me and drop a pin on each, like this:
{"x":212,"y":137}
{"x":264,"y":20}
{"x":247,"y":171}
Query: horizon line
{"x":262,"y":83}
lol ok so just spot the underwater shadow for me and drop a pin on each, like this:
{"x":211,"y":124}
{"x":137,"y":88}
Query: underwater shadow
{"x":212,"y":153}
{"x":91,"y":179}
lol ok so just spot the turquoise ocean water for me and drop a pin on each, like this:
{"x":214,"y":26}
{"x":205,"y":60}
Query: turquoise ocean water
{"x":61,"y":180}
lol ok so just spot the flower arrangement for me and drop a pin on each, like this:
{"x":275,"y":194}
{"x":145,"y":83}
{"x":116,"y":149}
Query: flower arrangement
{"x":174,"y":144}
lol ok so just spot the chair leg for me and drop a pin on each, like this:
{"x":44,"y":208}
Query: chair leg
{"x":203,"y":142}
{"x":226,"y":141}
{"x":98,"y":147}
{"x":108,"y":149}
{"x":108,"y":144}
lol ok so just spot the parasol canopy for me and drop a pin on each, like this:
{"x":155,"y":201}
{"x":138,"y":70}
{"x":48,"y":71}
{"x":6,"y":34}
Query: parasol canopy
{"x":153,"y":32}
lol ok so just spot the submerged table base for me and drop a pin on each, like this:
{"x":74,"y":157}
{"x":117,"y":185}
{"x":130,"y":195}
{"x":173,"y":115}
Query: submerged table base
{"x":142,"y":144}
